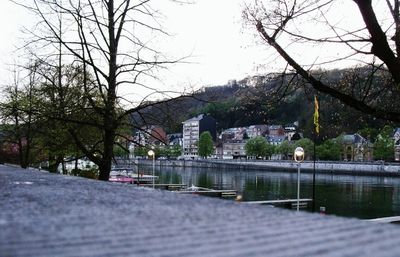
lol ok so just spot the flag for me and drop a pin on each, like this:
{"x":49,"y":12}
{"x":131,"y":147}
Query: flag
{"x":316,"y":115}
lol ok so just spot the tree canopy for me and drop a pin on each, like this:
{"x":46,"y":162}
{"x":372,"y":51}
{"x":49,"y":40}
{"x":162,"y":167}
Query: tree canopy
{"x":257,"y":147}
{"x":372,"y":47}
{"x":205,"y":144}
{"x":384,"y":144}
{"x":110,"y":42}
{"x":330,"y":149}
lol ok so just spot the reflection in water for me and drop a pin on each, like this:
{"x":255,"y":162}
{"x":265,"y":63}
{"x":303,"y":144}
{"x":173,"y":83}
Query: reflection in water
{"x":343,"y":195}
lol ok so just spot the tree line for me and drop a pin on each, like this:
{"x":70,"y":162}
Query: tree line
{"x":66,"y":100}
{"x":330,"y":149}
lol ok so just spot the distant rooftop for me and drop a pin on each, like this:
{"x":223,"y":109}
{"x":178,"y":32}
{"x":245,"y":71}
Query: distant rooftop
{"x":354,"y":138}
{"x":196,"y":118}
{"x":45,"y":214}
{"x":275,"y":126}
{"x":275,"y":138}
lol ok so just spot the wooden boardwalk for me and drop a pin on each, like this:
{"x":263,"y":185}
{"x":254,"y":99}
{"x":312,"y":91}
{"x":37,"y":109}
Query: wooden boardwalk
{"x":207,"y":191}
{"x":143,"y":179}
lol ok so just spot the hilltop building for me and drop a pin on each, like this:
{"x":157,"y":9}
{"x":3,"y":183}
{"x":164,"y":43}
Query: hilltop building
{"x":192,"y":129}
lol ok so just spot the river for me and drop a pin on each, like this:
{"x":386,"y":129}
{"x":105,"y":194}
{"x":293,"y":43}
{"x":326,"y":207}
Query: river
{"x":364,"y":197}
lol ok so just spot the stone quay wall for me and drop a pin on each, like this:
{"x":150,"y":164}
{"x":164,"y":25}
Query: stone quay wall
{"x":356,"y":168}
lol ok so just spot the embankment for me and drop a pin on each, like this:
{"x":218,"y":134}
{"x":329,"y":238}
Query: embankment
{"x":355,"y":168}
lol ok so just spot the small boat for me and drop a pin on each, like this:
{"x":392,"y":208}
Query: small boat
{"x":120,"y":179}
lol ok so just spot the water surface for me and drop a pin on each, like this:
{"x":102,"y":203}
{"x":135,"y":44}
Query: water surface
{"x":363,"y":197}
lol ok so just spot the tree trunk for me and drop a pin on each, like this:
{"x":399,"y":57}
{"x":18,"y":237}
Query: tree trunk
{"x":54,"y":162}
{"x":105,"y":165}
{"x":110,"y":115}
{"x":22,"y":158}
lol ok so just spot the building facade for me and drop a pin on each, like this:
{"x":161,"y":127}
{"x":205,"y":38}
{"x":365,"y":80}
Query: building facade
{"x":234,"y":149}
{"x":192,"y":130}
{"x":396,"y":138}
{"x":151,"y":135}
{"x":257,"y":130}
{"x":175,"y":139}
{"x":356,"y":148}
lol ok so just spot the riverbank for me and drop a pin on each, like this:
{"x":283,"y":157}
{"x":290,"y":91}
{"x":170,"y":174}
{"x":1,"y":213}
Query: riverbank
{"x":354,"y":168}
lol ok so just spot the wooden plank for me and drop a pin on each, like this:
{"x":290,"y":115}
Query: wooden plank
{"x":161,"y":185}
{"x":204,"y":192}
{"x":215,"y":193}
{"x":165,"y":186}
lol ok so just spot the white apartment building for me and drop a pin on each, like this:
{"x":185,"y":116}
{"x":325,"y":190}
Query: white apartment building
{"x":192,"y":129}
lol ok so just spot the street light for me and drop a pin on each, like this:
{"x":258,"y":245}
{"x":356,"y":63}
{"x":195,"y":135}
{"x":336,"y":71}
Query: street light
{"x":298,"y":157}
{"x":152,"y":154}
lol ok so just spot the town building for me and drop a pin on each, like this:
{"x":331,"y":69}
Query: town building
{"x":396,"y":138}
{"x":356,"y":148}
{"x":234,"y":149}
{"x":275,"y":140}
{"x":233,"y":134}
{"x":192,"y":129}
{"x":219,"y":150}
{"x":233,"y":140}
{"x":151,"y":135}
{"x":175,"y":139}
{"x":290,"y":131}
{"x":276,"y":130}
{"x":257,"y":130}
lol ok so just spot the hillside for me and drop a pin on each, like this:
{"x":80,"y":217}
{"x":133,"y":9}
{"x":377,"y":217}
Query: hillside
{"x":266,"y":99}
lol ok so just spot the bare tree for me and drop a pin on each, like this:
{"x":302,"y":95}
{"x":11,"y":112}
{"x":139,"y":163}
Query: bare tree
{"x":288,"y":25}
{"x":110,"y":41}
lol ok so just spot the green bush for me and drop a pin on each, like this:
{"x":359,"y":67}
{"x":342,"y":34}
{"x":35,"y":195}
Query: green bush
{"x":91,"y":173}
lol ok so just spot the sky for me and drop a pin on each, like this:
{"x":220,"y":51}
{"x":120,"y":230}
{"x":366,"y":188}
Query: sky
{"x":11,"y":19}
{"x":210,"y":32}
{"x":221,"y":48}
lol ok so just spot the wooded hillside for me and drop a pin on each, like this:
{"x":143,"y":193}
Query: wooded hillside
{"x":261,"y":100}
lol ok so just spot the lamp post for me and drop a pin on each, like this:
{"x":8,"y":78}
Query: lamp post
{"x":298,"y":157}
{"x":152,"y":154}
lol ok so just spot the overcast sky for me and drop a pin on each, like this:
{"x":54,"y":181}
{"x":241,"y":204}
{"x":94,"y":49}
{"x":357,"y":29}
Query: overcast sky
{"x":210,"y":31}
{"x":11,"y":18}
